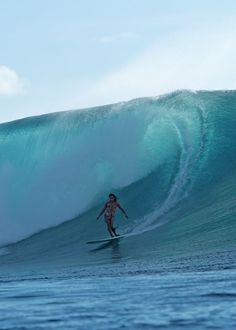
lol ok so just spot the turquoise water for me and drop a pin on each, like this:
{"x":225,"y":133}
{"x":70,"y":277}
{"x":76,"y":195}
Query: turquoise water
{"x":172,"y":162}
{"x":168,"y":301}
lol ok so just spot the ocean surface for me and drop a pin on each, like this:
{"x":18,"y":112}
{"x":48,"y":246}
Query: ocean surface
{"x":172,"y":162}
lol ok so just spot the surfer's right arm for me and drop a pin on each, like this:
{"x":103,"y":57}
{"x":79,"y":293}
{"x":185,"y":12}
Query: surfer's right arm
{"x":102,"y":211}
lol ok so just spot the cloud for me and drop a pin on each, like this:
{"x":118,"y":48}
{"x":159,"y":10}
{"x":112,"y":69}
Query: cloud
{"x":10,"y":82}
{"x":196,"y":59}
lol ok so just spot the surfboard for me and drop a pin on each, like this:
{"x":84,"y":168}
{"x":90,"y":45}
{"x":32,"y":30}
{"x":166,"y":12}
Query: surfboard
{"x":105,"y":240}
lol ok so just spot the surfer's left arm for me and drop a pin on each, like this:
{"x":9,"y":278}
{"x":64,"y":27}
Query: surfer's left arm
{"x":123,"y":211}
{"x":102,"y":211}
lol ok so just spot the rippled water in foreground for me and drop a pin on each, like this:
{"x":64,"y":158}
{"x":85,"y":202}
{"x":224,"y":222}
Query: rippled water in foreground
{"x":160,"y":301}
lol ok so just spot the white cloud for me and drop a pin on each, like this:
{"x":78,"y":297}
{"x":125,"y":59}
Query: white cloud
{"x":10,"y":82}
{"x":196,"y":59}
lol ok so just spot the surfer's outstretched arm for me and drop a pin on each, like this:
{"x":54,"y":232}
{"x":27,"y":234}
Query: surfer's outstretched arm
{"x":123,"y":211}
{"x":102,"y":211}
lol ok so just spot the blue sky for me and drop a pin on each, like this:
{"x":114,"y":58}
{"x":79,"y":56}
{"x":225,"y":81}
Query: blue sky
{"x":70,"y":54}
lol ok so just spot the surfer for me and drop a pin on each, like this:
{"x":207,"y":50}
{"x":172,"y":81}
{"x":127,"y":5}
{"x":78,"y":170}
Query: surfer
{"x":110,"y":209}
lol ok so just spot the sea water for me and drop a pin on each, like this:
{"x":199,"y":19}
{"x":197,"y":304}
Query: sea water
{"x":172,"y":163}
{"x":157,"y":301}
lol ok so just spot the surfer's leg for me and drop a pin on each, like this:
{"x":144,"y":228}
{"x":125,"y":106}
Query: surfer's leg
{"x":113,"y":228}
{"x":110,"y":230}
{"x":109,"y":226}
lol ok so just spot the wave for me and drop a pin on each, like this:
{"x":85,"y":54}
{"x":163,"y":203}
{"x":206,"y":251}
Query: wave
{"x":171,"y":160}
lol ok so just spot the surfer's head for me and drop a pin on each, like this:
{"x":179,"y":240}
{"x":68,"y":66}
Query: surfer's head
{"x":112,"y":197}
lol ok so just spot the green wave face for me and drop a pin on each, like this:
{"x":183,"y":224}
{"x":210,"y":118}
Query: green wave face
{"x":171,"y":160}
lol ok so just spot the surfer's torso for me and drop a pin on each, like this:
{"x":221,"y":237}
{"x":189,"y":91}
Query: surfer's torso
{"x":111,"y":209}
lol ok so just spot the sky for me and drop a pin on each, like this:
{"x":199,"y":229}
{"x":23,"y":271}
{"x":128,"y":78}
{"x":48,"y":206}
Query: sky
{"x":58,"y":55}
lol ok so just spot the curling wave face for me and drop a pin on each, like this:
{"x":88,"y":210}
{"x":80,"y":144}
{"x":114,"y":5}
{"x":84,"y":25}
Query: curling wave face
{"x":171,"y":160}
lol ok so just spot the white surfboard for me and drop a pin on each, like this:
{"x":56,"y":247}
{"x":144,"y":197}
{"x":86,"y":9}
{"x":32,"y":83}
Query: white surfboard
{"x":105,"y":240}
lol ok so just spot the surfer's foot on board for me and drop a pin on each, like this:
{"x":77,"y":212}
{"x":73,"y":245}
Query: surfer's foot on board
{"x":114,"y":231}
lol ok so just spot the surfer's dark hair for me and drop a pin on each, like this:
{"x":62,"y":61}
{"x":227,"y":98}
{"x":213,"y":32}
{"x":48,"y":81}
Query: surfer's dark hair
{"x":113,"y":195}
